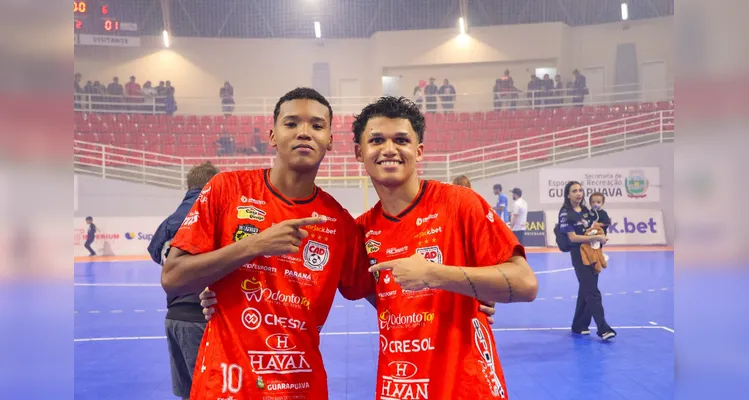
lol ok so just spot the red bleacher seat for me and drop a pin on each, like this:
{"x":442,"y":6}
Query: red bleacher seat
{"x":196,"y":136}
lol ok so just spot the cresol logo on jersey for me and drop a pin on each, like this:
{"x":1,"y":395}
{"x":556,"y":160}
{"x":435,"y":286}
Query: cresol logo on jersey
{"x":255,"y":292}
{"x":405,"y":346}
{"x":252,"y":319}
{"x":388,"y":320}
{"x":628,"y":227}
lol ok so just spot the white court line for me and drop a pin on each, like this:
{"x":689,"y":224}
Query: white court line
{"x":107,"y":339}
{"x":551,"y":271}
{"x":665,"y":328}
{"x":119,"y":284}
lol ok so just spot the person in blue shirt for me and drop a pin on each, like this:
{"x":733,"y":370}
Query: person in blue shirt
{"x":574,"y":219}
{"x":91,"y":235}
{"x":501,"y":208}
{"x":185,"y":323}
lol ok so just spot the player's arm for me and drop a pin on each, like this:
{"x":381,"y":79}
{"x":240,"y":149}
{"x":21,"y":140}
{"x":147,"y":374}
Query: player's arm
{"x":356,"y":281}
{"x":189,"y":273}
{"x":512,"y":281}
{"x":497,"y":270}
{"x":500,"y":272}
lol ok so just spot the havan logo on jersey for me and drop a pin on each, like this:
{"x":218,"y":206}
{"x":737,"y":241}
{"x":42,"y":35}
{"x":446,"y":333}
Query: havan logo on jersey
{"x":250,"y":212}
{"x":255,"y":292}
{"x":401,"y":383}
{"x":281,"y":359}
{"x":431,"y":253}
{"x":388,"y":320}
{"x":316,"y":255}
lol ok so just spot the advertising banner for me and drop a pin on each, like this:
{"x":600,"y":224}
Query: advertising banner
{"x":116,"y":236}
{"x":628,"y":227}
{"x":535,"y":230}
{"x":619,"y":185}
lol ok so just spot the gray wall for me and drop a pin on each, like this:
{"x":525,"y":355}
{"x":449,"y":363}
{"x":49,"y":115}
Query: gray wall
{"x":112,"y":198}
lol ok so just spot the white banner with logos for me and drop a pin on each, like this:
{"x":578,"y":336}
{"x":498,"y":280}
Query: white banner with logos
{"x":116,"y":236}
{"x":628,"y":227}
{"x":619,"y":185}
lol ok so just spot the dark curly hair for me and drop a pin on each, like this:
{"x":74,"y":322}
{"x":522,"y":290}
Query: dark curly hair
{"x":390,"y":107}
{"x":302,"y":93}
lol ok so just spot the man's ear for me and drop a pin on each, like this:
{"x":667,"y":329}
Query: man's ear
{"x":419,"y":152}
{"x":272,"y":138}
{"x":358,"y":152}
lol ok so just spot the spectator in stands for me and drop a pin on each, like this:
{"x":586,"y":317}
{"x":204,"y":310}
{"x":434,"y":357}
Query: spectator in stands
{"x":78,"y":90}
{"x":226,"y":145}
{"x":431,"y":91}
{"x":547,"y":86}
{"x":507,"y":90}
{"x":534,"y":87}
{"x":170,"y":104}
{"x":447,"y":96}
{"x":462,"y":180}
{"x":418,"y":95}
{"x":149,"y":96}
{"x":77,"y":83}
{"x":160,"y":96}
{"x":115,"y":92}
{"x":184,"y":322}
{"x":134,"y":94}
{"x":226,"y":93}
{"x":558,"y":89}
{"x":580,"y":88}
{"x":519,"y":214}
{"x":501,"y":207}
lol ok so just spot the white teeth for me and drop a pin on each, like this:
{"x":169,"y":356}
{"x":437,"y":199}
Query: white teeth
{"x":390,"y":163}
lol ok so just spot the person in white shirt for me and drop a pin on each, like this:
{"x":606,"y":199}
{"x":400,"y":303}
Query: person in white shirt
{"x":519,"y":214}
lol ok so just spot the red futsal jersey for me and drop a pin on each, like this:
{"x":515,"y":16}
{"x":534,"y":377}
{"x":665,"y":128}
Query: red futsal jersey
{"x":263,"y":341}
{"x":436,"y":344}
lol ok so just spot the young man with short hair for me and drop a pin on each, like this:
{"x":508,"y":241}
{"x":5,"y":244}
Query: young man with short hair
{"x":275,"y":248}
{"x":436,"y":250}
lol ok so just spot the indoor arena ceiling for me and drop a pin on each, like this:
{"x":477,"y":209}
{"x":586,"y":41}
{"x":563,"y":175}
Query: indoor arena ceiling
{"x":362,"y":18}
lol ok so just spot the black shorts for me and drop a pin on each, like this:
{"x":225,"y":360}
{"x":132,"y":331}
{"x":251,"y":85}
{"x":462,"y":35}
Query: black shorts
{"x":184,"y":339}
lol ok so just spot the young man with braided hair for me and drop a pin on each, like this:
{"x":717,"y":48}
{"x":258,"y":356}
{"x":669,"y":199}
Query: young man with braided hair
{"x":436,"y":250}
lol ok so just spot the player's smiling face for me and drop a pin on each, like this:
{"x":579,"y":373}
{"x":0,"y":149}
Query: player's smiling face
{"x":390,"y":150}
{"x":302,"y":133}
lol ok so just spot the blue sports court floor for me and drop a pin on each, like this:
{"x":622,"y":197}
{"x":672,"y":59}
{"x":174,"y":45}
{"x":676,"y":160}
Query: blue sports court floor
{"x":121,"y":353}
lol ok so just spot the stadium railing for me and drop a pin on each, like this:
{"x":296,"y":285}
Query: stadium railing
{"x":464,"y":102}
{"x":343,"y":171}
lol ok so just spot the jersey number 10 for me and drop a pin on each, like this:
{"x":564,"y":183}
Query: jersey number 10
{"x":231,"y":372}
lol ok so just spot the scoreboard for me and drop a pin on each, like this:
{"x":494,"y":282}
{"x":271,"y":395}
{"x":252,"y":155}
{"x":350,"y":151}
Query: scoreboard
{"x":104,"y":23}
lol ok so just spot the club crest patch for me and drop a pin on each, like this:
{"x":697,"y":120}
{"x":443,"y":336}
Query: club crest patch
{"x":431,"y":253}
{"x":245,"y":230}
{"x":316,"y":255}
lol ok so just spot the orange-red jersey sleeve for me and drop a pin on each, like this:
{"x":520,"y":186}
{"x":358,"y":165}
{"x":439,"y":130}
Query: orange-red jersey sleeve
{"x":488,"y":240}
{"x":200,"y":230}
{"x":356,"y":280}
